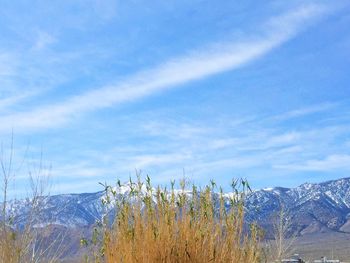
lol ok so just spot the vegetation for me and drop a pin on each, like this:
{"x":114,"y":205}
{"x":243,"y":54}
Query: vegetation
{"x":284,"y":238}
{"x":23,"y":243}
{"x":150,"y":224}
{"x":160,"y":225}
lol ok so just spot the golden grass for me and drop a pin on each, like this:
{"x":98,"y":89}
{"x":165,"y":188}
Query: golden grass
{"x":27,"y":244}
{"x":179,"y":226}
{"x":23,"y":244}
{"x":11,"y":249}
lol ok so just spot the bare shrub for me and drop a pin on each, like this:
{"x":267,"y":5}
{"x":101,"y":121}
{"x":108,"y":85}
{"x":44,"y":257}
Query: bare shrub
{"x":23,"y":242}
{"x":282,"y":244}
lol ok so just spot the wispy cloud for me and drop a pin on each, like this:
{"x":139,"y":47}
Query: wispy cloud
{"x":330,"y":163}
{"x":16,"y":98}
{"x":251,"y":150}
{"x":7,"y":65}
{"x":304,"y":111}
{"x":43,"y":40}
{"x":193,"y":66}
{"x":159,"y":159}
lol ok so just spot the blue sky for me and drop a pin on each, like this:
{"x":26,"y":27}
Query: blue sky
{"x":210,"y":89}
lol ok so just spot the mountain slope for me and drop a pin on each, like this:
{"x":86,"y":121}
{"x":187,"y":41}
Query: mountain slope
{"x":311,"y":207}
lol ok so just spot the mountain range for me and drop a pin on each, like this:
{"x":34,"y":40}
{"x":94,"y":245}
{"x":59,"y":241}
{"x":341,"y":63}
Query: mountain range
{"x":317,"y":214}
{"x":309,"y":208}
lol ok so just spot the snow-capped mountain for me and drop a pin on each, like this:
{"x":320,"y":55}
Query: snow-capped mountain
{"x":69,"y":210}
{"x":311,"y":207}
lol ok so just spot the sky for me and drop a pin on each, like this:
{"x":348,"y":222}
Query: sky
{"x":98,"y":90}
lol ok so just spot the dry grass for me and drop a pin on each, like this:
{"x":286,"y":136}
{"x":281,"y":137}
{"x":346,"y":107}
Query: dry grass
{"x":10,"y":247}
{"x":26,"y":244}
{"x":157,"y":225}
{"x":23,"y":244}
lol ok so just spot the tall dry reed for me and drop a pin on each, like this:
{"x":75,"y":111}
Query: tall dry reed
{"x":157,"y":225}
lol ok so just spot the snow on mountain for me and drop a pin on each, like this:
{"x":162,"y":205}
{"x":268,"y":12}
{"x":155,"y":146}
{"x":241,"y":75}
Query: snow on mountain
{"x":326,"y":205}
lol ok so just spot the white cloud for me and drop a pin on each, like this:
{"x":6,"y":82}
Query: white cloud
{"x":271,"y":151}
{"x":15,"y":98}
{"x":193,"y":66}
{"x":220,"y":143}
{"x":170,"y":129}
{"x":85,"y":186}
{"x":8,"y":64}
{"x":304,"y":111}
{"x":282,"y":139}
{"x":148,"y":160}
{"x":330,"y":163}
{"x":43,"y":40}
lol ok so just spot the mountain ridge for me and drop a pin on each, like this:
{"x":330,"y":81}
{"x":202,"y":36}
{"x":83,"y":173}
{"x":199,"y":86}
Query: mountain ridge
{"x":311,"y":207}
